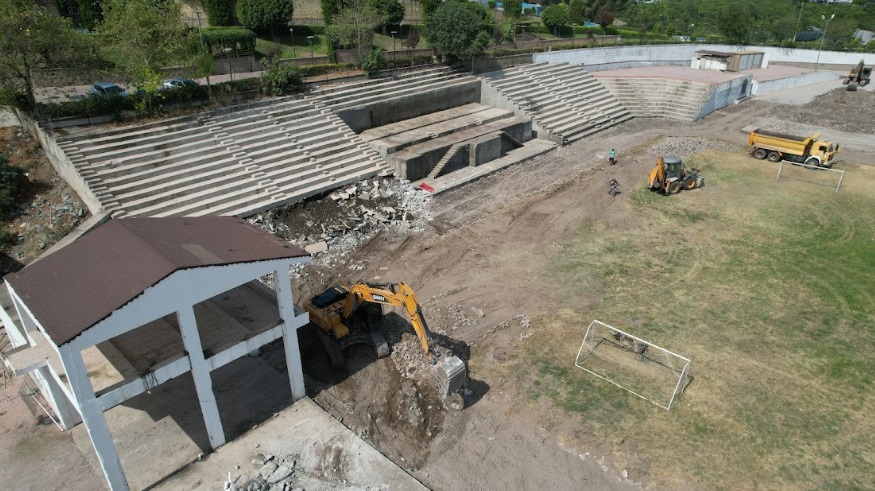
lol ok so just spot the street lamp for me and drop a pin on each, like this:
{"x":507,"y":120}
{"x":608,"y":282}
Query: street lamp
{"x":822,"y":38}
{"x":203,"y":53}
{"x":393,"y":44}
{"x":227,"y":51}
{"x":799,"y":22}
{"x":310,"y":40}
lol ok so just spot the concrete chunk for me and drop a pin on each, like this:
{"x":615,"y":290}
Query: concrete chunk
{"x":316,"y":247}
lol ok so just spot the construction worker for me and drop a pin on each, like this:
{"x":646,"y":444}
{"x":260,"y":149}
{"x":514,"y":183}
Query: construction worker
{"x":613,"y":157}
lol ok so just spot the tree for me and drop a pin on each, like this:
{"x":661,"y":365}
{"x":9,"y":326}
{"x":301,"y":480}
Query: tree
{"x":31,"y":37}
{"x":555,"y":17}
{"x":218,"y":12}
{"x":734,"y":22}
{"x":145,"y":36}
{"x":429,"y":6}
{"x":90,"y":13}
{"x":577,"y":11}
{"x":281,"y":78}
{"x":604,"y":17}
{"x":458,"y":30}
{"x":389,"y":11}
{"x":354,"y":26}
{"x":412,"y":39}
{"x":265,"y":15}
{"x":374,"y":61}
{"x":330,"y":8}
{"x":514,"y":8}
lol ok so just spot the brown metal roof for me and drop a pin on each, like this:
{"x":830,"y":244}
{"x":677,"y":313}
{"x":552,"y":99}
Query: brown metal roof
{"x":84,"y":282}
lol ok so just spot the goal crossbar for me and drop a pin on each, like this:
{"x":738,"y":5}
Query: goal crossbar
{"x":814,"y":167}
{"x":600,"y":349}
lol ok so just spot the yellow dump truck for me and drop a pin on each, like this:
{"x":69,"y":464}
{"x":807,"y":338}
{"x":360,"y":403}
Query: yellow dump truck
{"x":808,"y":150}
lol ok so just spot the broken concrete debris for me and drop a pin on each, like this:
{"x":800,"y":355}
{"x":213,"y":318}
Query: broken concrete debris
{"x":331,"y":227}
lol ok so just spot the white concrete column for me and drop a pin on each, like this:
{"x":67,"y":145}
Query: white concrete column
{"x":200,"y":372}
{"x":64,"y":407}
{"x":282,"y":285}
{"x":92,"y":416}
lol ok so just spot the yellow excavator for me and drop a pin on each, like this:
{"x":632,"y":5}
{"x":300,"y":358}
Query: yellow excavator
{"x":354,"y":315}
{"x":669,"y":176}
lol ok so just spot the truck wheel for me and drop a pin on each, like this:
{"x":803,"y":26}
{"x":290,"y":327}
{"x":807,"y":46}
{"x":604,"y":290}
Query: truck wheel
{"x":674,"y":187}
{"x":759,"y":154}
{"x":690,"y":183}
{"x":774,"y":157}
{"x":812,"y":162}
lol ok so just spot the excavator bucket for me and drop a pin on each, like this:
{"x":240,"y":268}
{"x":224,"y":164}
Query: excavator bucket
{"x":451,"y":375}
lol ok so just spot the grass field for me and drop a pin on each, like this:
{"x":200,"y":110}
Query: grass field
{"x":767,"y":286}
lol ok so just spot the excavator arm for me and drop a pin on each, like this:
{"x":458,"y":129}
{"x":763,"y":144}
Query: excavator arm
{"x":395,"y":294}
{"x":656,"y":180}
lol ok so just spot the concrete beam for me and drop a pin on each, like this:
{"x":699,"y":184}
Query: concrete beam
{"x":285,"y":302}
{"x":65,"y":409}
{"x":200,"y":371}
{"x":92,"y":416}
{"x":170,"y":370}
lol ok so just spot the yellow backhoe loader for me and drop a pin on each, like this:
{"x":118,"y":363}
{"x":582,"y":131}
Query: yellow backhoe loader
{"x":669,"y":176}
{"x":354,"y":315}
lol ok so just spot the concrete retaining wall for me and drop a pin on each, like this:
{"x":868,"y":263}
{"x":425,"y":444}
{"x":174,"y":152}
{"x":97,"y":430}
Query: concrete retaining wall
{"x":490,"y":96}
{"x":400,"y":108}
{"x":61,"y":163}
{"x":615,"y":57}
{"x":760,"y":88}
{"x":727,"y":93}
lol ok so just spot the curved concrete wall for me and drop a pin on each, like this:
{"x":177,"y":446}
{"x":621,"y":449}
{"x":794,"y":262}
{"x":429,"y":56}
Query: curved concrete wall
{"x":766,"y":86}
{"x":612,"y":58}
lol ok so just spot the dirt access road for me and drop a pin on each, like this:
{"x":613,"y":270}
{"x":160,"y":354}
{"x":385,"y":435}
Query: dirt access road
{"x":474,"y":271}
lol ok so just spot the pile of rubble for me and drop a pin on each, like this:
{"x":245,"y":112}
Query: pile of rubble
{"x":332,"y":226}
{"x":274,"y":474}
{"x":684,"y":146}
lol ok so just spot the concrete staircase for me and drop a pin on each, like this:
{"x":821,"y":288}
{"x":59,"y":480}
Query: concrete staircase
{"x":451,"y":152}
{"x":565,"y":102}
{"x":222,"y":163}
{"x":650,"y":97}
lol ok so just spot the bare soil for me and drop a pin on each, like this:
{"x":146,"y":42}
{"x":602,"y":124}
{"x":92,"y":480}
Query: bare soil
{"x":473,"y":270}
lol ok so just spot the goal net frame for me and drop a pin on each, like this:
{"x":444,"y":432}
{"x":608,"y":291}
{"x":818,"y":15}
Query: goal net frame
{"x":662,"y":359}
{"x":814,"y":167}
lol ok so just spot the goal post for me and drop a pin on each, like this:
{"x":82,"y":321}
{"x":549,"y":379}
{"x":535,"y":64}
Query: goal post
{"x":633,"y":364}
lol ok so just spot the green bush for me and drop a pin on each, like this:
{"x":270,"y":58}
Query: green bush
{"x":611,"y":31}
{"x":491,"y":4}
{"x":218,"y":12}
{"x":237,"y":38}
{"x":12,"y":181}
{"x":88,"y":106}
{"x":314,"y":70}
{"x":373,"y":62}
{"x":265,"y":15}
{"x":281,"y":79}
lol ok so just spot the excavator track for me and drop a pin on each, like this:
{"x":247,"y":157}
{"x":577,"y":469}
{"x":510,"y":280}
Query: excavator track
{"x":380,"y":345}
{"x":333,"y":348}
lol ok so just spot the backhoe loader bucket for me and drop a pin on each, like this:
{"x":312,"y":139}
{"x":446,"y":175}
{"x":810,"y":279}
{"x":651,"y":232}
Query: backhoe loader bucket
{"x":451,"y":375}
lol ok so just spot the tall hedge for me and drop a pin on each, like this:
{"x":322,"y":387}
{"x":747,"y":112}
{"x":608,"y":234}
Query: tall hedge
{"x":265,"y":15}
{"x":236,"y":38}
{"x":218,"y":12}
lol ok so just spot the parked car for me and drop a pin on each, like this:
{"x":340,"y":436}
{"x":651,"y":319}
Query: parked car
{"x":174,"y":83}
{"x":107,"y":89}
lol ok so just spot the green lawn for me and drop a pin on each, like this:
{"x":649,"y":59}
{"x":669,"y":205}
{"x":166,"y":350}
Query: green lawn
{"x":767,"y":286}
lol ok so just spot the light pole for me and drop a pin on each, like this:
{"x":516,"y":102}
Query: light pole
{"x":227,"y":51}
{"x":393,"y":44}
{"x":822,"y":38}
{"x":799,"y":22}
{"x":310,"y":40}
{"x":292,"y":34}
{"x":203,"y":52}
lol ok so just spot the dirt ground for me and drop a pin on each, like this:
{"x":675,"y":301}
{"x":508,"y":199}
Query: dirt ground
{"x":471,"y":270}
{"x":471,"y":267}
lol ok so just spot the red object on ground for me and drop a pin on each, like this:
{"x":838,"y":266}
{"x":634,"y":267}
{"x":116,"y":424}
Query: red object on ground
{"x":427,"y":187}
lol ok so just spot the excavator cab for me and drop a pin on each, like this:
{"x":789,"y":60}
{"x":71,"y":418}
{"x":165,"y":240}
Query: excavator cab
{"x":673,"y":167}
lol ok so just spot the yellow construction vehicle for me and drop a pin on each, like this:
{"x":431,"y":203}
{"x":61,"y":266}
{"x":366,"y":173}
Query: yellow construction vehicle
{"x":858,"y":76}
{"x":669,"y":176}
{"x":354,"y":315}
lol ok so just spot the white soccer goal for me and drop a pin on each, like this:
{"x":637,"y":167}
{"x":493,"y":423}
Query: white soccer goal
{"x":814,"y":167}
{"x":631,"y":363}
